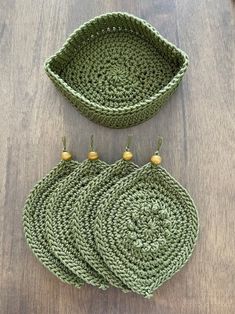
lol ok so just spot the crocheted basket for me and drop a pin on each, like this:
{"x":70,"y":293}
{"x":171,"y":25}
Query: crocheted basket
{"x":117,"y":70}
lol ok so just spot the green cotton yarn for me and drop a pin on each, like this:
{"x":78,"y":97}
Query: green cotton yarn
{"x":34,"y":221}
{"x":59,"y":218}
{"x":117,"y":69}
{"x":119,"y":225}
{"x":145,"y":229}
{"x":85,"y":211}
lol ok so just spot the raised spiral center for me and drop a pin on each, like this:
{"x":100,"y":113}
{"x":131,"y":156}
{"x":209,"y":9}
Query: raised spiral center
{"x":149,"y":227}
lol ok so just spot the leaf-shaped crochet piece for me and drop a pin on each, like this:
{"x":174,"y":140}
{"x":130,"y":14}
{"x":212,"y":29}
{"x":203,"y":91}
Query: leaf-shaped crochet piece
{"x":85,"y":214}
{"x":34,"y":221}
{"x":59,"y":214}
{"x":146,"y":228}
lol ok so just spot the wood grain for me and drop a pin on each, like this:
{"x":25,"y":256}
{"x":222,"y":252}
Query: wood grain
{"x":198,"y":129}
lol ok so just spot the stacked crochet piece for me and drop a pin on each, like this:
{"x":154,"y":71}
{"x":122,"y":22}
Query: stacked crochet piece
{"x":111,"y":225}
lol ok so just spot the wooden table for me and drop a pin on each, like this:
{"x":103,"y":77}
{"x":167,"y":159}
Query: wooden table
{"x":198,"y":129}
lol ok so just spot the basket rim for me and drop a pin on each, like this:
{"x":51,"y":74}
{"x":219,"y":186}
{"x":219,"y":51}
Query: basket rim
{"x":135,"y":107}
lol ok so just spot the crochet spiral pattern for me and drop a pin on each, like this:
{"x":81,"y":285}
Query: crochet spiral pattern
{"x":146,"y":228}
{"x":59,"y":214}
{"x":117,"y":69}
{"x":85,"y":214}
{"x":34,"y":221}
{"x":119,"y":224}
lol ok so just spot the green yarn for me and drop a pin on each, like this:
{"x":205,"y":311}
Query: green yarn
{"x":84,"y":214}
{"x":34,"y":221}
{"x":117,"y":70}
{"x":146,"y":228}
{"x":130,"y":227}
{"x":59,"y":214}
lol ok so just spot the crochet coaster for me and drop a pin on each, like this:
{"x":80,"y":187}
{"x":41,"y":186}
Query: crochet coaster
{"x":85,"y":212}
{"x":34,"y":221}
{"x":117,"y":69}
{"x":146,"y":228}
{"x":59,"y":214}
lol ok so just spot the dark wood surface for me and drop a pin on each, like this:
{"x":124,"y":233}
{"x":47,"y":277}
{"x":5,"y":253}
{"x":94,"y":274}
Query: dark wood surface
{"x":198,"y":129}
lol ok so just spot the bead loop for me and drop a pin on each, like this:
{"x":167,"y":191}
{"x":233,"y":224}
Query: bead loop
{"x":127,"y":154}
{"x":156,"y":159}
{"x":66,"y":156}
{"x":92,"y":155}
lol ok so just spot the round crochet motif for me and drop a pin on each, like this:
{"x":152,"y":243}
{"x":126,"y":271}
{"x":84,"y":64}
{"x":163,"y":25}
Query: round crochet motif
{"x":117,"y":69}
{"x":59,"y":214}
{"x":146,"y":228}
{"x":85,"y":212}
{"x":34,"y":221}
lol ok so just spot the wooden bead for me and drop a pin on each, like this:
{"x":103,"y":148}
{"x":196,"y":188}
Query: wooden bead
{"x":156,"y":159}
{"x":66,"y":156}
{"x":127,"y":155}
{"x":93,"y":155}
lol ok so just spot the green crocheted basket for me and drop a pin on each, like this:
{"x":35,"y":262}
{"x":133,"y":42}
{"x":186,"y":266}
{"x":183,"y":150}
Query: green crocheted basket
{"x":117,"y":70}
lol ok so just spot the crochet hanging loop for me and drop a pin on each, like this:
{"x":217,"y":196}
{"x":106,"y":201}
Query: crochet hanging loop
{"x":127,"y":155}
{"x":92,"y":155}
{"x":128,"y":144}
{"x":64,"y":143}
{"x":159,"y":144}
{"x":66,"y":156}
{"x":92,"y":143}
{"x":156,"y":159}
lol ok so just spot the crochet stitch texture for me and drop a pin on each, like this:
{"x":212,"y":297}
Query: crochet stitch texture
{"x":59,"y":218}
{"x":84,"y":214}
{"x":34,"y":221}
{"x":145,"y":229}
{"x":130,"y":227}
{"x":117,"y":70}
